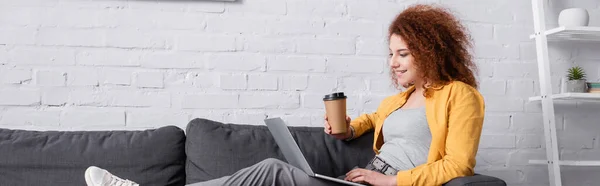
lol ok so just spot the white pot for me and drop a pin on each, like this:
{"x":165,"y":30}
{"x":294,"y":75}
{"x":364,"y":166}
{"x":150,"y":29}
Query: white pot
{"x":574,"y":17}
{"x":576,"y":86}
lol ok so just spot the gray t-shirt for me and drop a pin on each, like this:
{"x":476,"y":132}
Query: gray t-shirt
{"x":406,"y":138}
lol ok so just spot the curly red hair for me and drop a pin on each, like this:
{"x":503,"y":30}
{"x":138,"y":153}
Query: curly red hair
{"x":439,"y":44}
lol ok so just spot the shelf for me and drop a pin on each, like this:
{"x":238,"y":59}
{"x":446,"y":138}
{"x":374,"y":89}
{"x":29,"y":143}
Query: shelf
{"x":571,"y":96}
{"x":572,"y":34}
{"x":567,"y":163}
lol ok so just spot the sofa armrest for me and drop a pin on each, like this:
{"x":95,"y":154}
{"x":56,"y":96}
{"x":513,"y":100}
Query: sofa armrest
{"x":476,"y":180}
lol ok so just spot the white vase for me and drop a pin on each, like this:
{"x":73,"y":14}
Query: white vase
{"x":573,"y":17}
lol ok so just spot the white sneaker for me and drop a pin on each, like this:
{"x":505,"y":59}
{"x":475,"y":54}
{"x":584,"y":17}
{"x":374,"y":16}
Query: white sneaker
{"x":95,"y":176}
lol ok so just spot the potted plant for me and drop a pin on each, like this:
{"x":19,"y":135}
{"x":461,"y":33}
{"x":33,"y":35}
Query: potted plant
{"x":576,"y":80}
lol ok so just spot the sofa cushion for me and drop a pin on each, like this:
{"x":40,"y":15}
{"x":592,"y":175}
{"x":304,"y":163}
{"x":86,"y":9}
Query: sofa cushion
{"x":216,"y":149}
{"x":149,"y":157}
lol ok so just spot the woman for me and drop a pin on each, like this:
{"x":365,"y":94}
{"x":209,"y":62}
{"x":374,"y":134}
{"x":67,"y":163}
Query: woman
{"x":425,"y":135}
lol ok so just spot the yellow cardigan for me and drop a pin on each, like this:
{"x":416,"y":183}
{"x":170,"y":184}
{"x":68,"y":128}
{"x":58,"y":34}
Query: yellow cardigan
{"x":455,"y":116}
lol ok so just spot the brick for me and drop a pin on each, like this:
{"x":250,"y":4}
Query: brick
{"x":70,"y":37}
{"x":485,"y":68}
{"x":382,"y":84}
{"x":247,"y":117}
{"x":294,"y":83}
{"x":509,"y":69}
{"x":211,"y":114}
{"x":210,"y":7}
{"x":371,"y":102}
{"x":210,"y":101}
{"x":537,"y":175}
{"x":156,"y":118}
{"x":262,"y":82}
{"x":128,"y":18}
{"x":496,"y":50}
{"x":63,"y":18}
{"x":295,"y":27}
{"x":497,"y":13}
{"x":15,"y":76}
{"x":298,"y":120}
{"x":124,"y":98}
{"x":173,"y":60}
{"x":533,"y":122}
{"x":3,"y":55}
{"x":521,"y":157}
{"x":55,"y":96}
{"x":257,"y":7}
{"x":495,"y":87}
{"x":50,"y":78}
{"x":580,"y":140}
{"x":179,"y":79}
{"x":190,"y":21}
{"x":237,"y":62}
{"x":16,"y":97}
{"x":270,"y":44}
{"x":235,"y":25}
{"x":109,"y":57}
{"x":496,"y":122}
{"x":92,"y":117}
{"x":371,"y":46}
{"x":325,"y":46}
{"x":489,"y":141}
{"x":30,"y":3}
{"x":525,"y":141}
{"x":149,"y":79}
{"x":354,"y":28}
{"x":208,"y":43}
{"x":481,"y":31}
{"x":30,"y":116}
{"x":115,"y":77}
{"x":487,"y":158}
{"x":17,"y":16}
{"x":355,"y":65}
{"x":520,"y":88}
{"x":233,"y":81}
{"x":321,"y":83}
{"x":512,"y":33}
{"x":13,"y":36}
{"x":88,"y":97}
{"x":296,"y":64}
{"x":381,"y":10}
{"x":136,"y":39}
{"x":205,"y":80}
{"x":42,"y":56}
{"x":275,"y":100}
{"x":83,"y":77}
{"x":317,"y":9}
{"x":352,"y":84}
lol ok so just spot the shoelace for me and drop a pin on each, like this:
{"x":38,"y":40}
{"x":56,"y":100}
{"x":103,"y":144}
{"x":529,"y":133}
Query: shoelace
{"x":116,"y":181}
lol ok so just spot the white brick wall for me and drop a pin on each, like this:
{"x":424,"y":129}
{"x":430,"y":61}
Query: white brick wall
{"x":91,"y":65}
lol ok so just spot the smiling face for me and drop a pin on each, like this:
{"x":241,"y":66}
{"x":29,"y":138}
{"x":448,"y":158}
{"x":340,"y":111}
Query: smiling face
{"x":402,"y":62}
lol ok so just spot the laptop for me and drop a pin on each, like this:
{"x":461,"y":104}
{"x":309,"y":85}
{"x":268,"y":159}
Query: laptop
{"x":292,"y":152}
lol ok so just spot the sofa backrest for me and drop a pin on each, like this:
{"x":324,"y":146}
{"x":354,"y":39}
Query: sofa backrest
{"x":149,"y":157}
{"x":216,"y":149}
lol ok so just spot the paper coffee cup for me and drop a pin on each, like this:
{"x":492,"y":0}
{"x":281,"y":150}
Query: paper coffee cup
{"x":335,"y":108}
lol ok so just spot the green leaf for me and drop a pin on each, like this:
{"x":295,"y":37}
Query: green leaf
{"x":575,"y":73}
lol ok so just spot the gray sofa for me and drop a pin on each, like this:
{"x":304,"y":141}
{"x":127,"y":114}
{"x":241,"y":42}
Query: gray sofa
{"x":167,"y":156}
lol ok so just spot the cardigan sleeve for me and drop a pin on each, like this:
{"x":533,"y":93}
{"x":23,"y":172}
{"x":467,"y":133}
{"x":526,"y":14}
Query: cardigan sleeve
{"x":465,"y":120}
{"x":364,"y":123}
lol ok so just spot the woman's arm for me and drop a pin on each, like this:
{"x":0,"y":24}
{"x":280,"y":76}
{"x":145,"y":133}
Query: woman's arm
{"x":465,"y":120}
{"x":364,"y":123}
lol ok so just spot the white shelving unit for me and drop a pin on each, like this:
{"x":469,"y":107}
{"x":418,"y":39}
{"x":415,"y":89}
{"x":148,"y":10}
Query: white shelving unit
{"x":542,"y":36}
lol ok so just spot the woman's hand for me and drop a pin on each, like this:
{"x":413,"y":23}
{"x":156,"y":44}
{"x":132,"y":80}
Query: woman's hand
{"x":370,"y":177}
{"x":348,"y":133}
